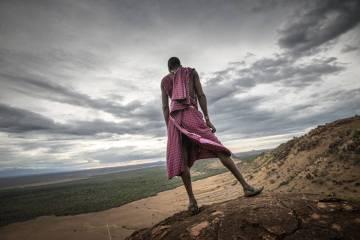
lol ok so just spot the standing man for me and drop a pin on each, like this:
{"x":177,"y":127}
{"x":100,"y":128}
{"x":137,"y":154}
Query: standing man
{"x":190,"y":132}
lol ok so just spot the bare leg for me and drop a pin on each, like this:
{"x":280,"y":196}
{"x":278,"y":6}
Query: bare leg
{"x":185,"y":176}
{"x":229,"y":164}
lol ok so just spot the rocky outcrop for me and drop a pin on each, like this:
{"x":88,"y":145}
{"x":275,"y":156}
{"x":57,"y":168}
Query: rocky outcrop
{"x":296,"y":175}
{"x":267,"y":216}
{"x":325,"y":160}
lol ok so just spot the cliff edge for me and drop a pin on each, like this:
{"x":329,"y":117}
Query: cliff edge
{"x":267,"y":216}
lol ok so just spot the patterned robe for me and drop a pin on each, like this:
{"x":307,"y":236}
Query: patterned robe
{"x":186,"y":122}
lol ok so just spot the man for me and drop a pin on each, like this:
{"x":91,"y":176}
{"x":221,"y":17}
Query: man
{"x":190,"y":137}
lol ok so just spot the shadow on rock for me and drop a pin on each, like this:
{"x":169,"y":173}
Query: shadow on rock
{"x":271,"y":216}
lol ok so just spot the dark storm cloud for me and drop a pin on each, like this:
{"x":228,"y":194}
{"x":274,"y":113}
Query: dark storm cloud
{"x":318,"y":24}
{"x":243,"y":118}
{"x":41,"y":88}
{"x":280,"y":69}
{"x":52,"y":61}
{"x":264,"y":5}
{"x":120,"y":154}
{"x":349,"y":48}
{"x":20,"y":120}
{"x":52,"y":146}
{"x":235,"y":116}
{"x":333,"y":109}
{"x":232,"y":116}
{"x":16,"y":120}
{"x":100,"y":126}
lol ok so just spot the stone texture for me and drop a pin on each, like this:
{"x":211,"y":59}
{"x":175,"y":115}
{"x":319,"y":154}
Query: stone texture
{"x":268,"y":216}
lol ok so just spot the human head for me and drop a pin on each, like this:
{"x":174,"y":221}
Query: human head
{"x":173,"y":63}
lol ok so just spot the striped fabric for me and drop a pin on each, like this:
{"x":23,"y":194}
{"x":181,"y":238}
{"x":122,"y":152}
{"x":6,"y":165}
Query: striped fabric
{"x":186,"y":123}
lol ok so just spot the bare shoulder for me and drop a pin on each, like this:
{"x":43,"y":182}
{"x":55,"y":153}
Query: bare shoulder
{"x":197,"y":83}
{"x":164,"y":79}
{"x":195,"y":74}
{"x":195,"y":77}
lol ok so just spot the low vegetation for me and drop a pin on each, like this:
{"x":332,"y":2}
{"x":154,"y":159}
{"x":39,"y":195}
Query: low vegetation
{"x":94,"y":194}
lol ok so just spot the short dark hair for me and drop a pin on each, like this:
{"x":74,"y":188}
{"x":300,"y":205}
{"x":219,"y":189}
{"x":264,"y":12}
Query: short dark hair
{"x":173,"y":63}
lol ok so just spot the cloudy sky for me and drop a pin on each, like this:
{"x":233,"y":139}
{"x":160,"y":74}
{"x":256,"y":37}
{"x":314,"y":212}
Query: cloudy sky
{"x":80,"y":80}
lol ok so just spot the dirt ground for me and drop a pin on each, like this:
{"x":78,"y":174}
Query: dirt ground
{"x":120,"y":222}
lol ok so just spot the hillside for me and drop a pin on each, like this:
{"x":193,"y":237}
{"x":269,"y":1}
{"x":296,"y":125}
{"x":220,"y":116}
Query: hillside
{"x":271,"y":216}
{"x":306,"y":181}
{"x":325,"y":160}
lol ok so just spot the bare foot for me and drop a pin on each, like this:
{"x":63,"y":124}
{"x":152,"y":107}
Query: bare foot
{"x":193,"y":208}
{"x":251,"y":191}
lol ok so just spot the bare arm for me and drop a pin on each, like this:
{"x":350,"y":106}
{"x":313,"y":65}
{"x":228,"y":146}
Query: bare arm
{"x":165,"y":104}
{"x":200,"y":94}
{"x":202,"y":100}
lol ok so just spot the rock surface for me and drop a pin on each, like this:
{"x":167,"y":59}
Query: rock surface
{"x":267,"y":216}
{"x":325,"y":160}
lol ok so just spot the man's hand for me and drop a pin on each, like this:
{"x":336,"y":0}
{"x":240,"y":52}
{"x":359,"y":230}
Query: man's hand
{"x":210,"y":125}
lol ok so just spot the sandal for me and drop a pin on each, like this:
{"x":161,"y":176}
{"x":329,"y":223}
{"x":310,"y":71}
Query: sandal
{"x":193,"y":209}
{"x":253,"y":191}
